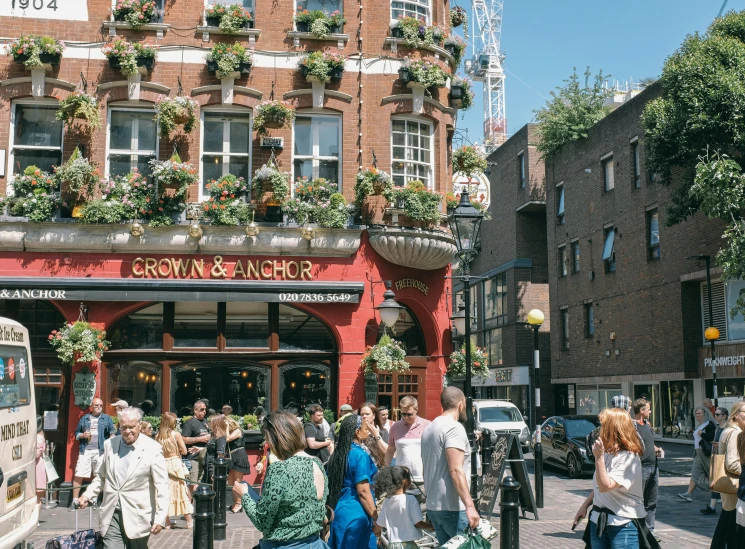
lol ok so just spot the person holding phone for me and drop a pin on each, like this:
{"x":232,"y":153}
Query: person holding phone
{"x":291,"y":509}
{"x":617,"y":502}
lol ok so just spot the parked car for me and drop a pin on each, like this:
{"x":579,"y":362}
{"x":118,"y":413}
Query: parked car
{"x":502,"y":416}
{"x":564,"y":443}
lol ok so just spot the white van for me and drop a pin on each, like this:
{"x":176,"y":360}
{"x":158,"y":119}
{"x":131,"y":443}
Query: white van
{"x":19,"y":512}
{"x":502,"y":415}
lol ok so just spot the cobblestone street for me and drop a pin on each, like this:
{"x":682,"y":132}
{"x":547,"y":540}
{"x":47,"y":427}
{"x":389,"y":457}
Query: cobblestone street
{"x":679,"y":524}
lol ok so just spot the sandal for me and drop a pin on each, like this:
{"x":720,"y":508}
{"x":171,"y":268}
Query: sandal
{"x":234,"y":511}
{"x":189,"y":524}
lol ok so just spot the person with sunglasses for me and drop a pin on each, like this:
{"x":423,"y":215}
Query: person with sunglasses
{"x":720,"y":416}
{"x":196,"y":435}
{"x":405,"y":438}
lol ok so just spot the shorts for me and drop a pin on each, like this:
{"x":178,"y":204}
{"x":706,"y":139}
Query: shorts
{"x":197,"y":467}
{"x":88,"y":463}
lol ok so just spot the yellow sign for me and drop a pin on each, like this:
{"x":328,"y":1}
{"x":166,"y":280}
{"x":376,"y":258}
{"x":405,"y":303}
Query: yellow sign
{"x":412,"y":283}
{"x":171,"y":267}
{"x":14,"y":492}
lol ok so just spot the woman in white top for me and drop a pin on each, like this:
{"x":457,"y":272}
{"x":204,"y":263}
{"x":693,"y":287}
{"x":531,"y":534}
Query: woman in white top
{"x":618,"y":498}
{"x":703,"y":437}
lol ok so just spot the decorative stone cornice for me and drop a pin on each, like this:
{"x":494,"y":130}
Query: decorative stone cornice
{"x":414,"y":248}
{"x":115,"y":238}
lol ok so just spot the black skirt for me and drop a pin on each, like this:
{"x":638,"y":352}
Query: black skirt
{"x":239,"y":459}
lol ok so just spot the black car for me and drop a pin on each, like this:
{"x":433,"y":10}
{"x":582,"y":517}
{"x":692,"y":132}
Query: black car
{"x":563,"y":440}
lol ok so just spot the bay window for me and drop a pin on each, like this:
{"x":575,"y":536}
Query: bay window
{"x":133,"y":141}
{"x":35,"y":137}
{"x":411,"y":152}
{"x":412,"y":8}
{"x":317,"y":147}
{"x":247,"y":4}
{"x":226,"y":146}
{"x":326,"y":6}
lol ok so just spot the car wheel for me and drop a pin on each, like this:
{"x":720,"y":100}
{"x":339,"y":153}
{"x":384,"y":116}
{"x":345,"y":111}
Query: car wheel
{"x":572,"y":466}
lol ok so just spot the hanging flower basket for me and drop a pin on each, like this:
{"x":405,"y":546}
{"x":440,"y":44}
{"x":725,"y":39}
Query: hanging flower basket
{"x":229,"y":19}
{"x":172,"y":112}
{"x":79,"y":106}
{"x":273,"y":114}
{"x":479,"y":363}
{"x":79,"y":342}
{"x":386,"y":356}
{"x":469,"y":161}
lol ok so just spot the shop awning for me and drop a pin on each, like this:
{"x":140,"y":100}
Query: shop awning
{"x":108,"y":289}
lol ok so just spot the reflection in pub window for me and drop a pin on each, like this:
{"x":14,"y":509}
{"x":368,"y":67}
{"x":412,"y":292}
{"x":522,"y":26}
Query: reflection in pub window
{"x":247,"y":324}
{"x":39,"y":317}
{"x":298,"y":331}
{"x":140,"y":330}
{"x":407,"y":331}
{"x":48,"y":391}
{"x":195,"y":324}
{"x":138,"y":382}
{"x":242,"y":387}
{"x":304,"y":383}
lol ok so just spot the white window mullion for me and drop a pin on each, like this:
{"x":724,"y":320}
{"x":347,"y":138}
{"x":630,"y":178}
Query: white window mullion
{"x":225,"y":147}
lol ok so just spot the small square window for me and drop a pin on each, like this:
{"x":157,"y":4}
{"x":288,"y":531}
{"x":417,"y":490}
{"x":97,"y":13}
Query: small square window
{"x":562,"y":261}
{"x":653,"y":235}
{"x":589,"y":320}
{"x":560,"y":204}
{"x":636,"y":165}
{"x":608,"y":175}
{"x":521,"y":170}
{"x":575,"y":256}
{"x":609,"y":250}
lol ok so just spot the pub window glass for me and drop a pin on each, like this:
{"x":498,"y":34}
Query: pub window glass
{"x":138,"y":382}
{"x":298,"y":331}
{"x":195,"y":324}
{"x":36,"y":138}
{"x":408,"y":332}
{"x":303,"y":384}
{"x":140,"y":330}
{"x":247,"y":324}
{"x":40,"y":318}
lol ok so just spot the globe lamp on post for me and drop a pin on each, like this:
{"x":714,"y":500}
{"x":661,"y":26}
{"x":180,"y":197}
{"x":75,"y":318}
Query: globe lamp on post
{"x":389,"y":309}
{"x":535,"y":320}
{"x":712,"y":334}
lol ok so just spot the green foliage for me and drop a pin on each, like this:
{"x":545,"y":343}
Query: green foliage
{"x":172,"y":112}
{"x":136,"y":12}
{"x":272,"y":113}
{"x":420,"y":203}
{"x":127,"y":53}
{"x":232,"y":18}
{"x":225,"y":205}
{"x":429,"y":75}
{"x":249,"y":422}
{"x":78,"y":173}
{"x":372,"y":181}
{"x":229,"y":58}
{"x":333,"y":213}
{"x":388,"y":355}
{"x":154,"y":421}
{"x":36,"y":198}
{"x":458,"y":17}
{"x":79,"y":105}
{"x":416,"y":32}
{"x":28,"y":48}
{"x":459,"y":47}
{"x":320,"y":64}
{"x":479,"y":363}
{"x":468,"y":95}
{"x":571,"y":112}
{"x":268,"y":179}
{"x":469,"y":161}
{"x":79,"y":339}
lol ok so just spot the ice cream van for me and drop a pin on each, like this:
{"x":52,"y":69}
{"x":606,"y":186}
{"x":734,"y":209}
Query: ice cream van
{"x":19,"y":512}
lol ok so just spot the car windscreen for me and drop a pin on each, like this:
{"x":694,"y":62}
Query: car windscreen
{"x":579,"y":428}
{"x":494,"y":415}
{"x":15,"y":387}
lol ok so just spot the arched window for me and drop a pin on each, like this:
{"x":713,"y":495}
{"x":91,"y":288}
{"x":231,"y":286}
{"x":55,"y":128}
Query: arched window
{"x":39,"y":317}
{"x":407,"y":331}
{"x":304,"y":383}
{"x":299,"y":331}
{"x":139,"y":383}
{"x":140,"y":330}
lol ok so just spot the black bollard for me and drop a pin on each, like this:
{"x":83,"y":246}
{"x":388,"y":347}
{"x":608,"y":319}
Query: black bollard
{"x":204,"y":518}
{"x":509,"y":508}
{"x":538,"y":461}
{"x":220,"y":480}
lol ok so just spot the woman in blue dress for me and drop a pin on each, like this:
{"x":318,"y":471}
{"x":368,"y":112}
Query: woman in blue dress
{"x":350,"y":473}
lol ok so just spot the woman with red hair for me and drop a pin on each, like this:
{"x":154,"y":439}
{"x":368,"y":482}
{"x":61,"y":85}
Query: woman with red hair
{"x":617,"y":502}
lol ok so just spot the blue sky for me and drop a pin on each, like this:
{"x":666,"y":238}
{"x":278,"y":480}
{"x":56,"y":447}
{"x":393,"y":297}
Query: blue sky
{"x":544,"y":39}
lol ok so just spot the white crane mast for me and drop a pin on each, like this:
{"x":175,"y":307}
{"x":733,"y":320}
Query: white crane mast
{"x":486,"y":67}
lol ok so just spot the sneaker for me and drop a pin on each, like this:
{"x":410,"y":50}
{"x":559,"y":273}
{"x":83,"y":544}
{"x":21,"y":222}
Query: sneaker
{"x":708,"y":511}
{"x":685,"y":496}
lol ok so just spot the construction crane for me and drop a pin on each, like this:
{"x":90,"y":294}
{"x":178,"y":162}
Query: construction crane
{"x":486,"y":67}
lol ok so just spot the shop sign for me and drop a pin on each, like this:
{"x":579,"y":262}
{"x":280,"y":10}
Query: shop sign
{"x":476,"y":185}
{"x":272,"y":142}
{"x":412,"y":283}
{"x":503,"y":376}
{"x":67,"y":10}
{"x":736,"y":360}
{"x":84,"y":387}
{"x":32,"y":294}
{"x":171,"y":267}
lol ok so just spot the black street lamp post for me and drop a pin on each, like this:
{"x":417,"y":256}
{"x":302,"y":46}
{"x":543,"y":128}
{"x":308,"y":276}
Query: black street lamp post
{"x":711,"y":333}
{"x":465,"y":224}
{"x":535,"y":319}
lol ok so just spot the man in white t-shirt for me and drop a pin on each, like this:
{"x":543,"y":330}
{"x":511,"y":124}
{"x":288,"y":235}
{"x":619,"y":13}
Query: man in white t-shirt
{"x":446,"y":461}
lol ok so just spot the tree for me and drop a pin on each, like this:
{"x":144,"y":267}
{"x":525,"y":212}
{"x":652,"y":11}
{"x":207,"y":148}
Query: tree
{"x":571,"y":112}
{"x":696,"y":131}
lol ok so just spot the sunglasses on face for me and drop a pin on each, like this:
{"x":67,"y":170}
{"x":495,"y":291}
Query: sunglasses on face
{"x":412,"y":414}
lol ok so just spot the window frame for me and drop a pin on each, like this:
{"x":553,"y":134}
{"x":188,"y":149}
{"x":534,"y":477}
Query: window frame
{"x":521,"y":169}
{"x":41,"y":102}
{"x":560,"y":203}
{"x":131,"y":152}
{"x":252,"y":11}
{"x":563,"y":261}
{"x":576,"y":256}
{"x":636,"y":167}
{"x":609,"y":262}
{"x":419,"y":120}
{"x":589,"y":320}
{"x":609,"y":183}
{"x":653,"y":249}
{"x":224,"y":110}
{"x":564,"y":323}
{"x":413,"y":3}
{"x":316,"y":158}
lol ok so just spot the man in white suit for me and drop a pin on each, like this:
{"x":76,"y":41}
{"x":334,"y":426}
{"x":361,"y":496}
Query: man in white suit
{"x":132,"y":476}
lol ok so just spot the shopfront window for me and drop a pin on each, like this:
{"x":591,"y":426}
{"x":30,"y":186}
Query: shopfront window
{"x":140,"y":330}
{"x":48,"y":384}
{"x":593,"y":398}
{"x":138,"y":382}
{"x":40,"y":318}
{"x":298,"y":331}
{"x":36,"y":137}
{"x":651,"y":392}
{"x":195,"y":324}
{"x":247,"y":324}
{"x":729,"y":390}
{"x":677,"y":406}
{"x":133,"y":141}
{"x":304,"y":383}
{"x":244,"y":387}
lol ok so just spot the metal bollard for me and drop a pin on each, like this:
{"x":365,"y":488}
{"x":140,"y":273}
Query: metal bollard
{"x":220,"y":480}
{"x":204,"y":518}
{"x":509,"y":506}
{"x":538,"y":461}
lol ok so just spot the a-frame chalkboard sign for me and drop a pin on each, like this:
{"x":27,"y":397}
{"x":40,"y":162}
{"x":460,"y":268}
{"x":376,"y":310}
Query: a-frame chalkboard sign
{"x":506,"y":450}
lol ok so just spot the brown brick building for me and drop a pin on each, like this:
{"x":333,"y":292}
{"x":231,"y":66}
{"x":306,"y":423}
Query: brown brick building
{"x":626,"y":303}
{"x":514,"y":267}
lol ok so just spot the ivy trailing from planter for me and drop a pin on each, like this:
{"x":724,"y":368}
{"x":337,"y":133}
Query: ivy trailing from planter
{"x":386,"y":356}
{"x":81,"y":106}
{"x":34,"y":51}
{"x":461,"y":96}
{"x":469,"y":161}
{"x":425,"y":73}
{"x":229,"y":19}
{"x":226,"y":59}
{"x":332,"y":213}
{"x":171,"y":112}
{"x":458,"y":17}
{"x":225,"y":205}
{"x":322,"y":66}
{"x":79,"y":340}
{"x":455,"y":46}
{"x":35,"y":195}
{"x":273,"y":114}
{"x":137,"y":13}
{"x":420,"y":203}
{"x":479,"y":363}
{"x":128,"y":57}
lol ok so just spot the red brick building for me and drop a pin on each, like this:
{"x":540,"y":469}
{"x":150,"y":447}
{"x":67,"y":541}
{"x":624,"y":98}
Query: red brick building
{"x":274,"y":319}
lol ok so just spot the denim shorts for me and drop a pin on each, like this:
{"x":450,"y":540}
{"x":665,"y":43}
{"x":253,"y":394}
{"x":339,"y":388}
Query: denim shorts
{"x":615,"y":537}
{"x":448,"y":524}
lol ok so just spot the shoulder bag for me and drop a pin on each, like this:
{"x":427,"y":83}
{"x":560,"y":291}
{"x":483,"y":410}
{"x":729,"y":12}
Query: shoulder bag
{"x":721,"y":480}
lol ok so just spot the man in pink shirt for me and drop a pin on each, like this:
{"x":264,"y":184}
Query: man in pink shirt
{"x":405,"y":438}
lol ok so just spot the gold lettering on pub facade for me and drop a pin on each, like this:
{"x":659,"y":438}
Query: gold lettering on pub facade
{"x":412,"y":283}
{"x":148,"y":267}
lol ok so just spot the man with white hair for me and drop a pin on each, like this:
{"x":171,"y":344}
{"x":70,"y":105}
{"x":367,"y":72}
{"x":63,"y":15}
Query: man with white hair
{"x":134,"y":482}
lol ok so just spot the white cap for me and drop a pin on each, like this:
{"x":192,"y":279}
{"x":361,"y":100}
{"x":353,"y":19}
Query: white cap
{"x":120,"y":404}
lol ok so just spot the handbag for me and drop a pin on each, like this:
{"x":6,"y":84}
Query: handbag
{"x":468,"y":539}
{"x":705,"y":446}
{"x":721,"y":480}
